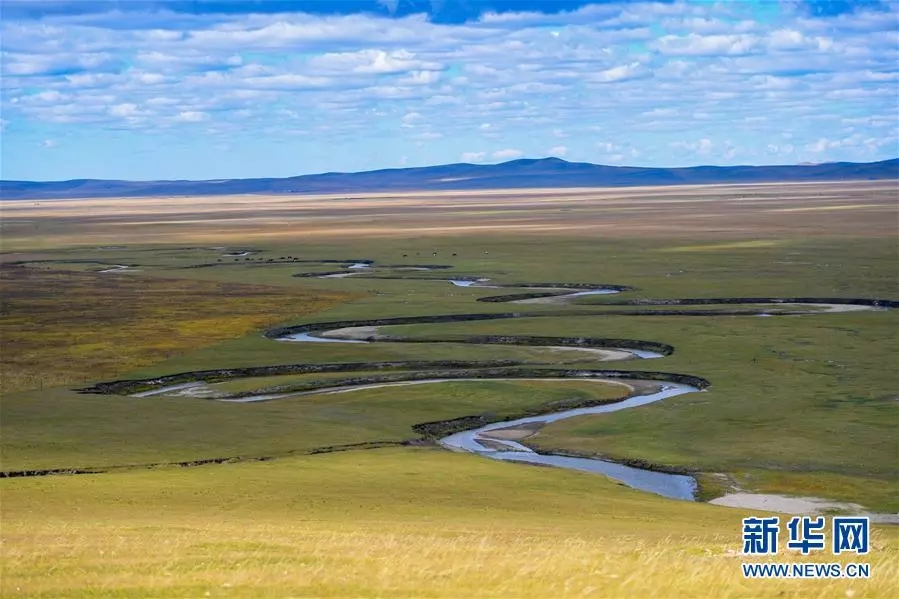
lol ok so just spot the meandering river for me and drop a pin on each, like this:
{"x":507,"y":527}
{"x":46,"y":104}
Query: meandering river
{"x":506,"y":440}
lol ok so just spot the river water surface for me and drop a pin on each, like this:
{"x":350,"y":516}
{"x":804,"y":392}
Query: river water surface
{"x":479,"y":441}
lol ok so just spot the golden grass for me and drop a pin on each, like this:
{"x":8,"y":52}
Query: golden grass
{"x":735,"y":245}
{"x":384,"y":523}
{"x":228,"y":560}
{"x":63,"y":327}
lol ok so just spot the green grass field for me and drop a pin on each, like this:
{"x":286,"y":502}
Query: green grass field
{"x":799,"y":405}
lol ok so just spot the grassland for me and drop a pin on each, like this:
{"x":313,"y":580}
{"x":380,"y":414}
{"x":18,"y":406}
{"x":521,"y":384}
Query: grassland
{"x":388,"y":523}
{"x":794,"y":394}
{"x":49,"y":431}
{"x":801,"y":405}
{"x":60,"y":327}
{"x":711,"y":213}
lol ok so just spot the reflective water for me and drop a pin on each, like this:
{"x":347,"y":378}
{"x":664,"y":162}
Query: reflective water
{"x":675,"y":486}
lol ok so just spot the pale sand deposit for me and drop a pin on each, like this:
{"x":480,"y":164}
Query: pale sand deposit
{"x":355,"y":333}
{"x":783,"y":504}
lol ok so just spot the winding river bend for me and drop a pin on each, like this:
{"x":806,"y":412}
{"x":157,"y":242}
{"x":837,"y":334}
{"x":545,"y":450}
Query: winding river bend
{"x":489,"y":441}
{"x":476,"y":434}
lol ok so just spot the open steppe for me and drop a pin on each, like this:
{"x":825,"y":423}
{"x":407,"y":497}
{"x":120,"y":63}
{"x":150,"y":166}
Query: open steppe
{"x":690,"y":212}
{"x":349,"y":494}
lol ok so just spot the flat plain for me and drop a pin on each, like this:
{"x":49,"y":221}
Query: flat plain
{"x":690,"y":212}
{"x":338,"y":494}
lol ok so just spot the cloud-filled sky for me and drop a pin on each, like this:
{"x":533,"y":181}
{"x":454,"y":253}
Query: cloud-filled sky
{"x":208,"y":89}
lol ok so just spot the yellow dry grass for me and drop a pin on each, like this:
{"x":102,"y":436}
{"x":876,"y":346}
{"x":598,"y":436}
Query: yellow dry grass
{"x":63,"y":327}
{"x":386,"y":523}
{"x":242,"y":560}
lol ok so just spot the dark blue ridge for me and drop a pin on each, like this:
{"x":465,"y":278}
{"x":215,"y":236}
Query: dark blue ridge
{"x":515,"y":174}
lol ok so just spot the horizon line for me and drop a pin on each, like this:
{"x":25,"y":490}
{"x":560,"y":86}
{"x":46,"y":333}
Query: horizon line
{"x":474,"y":164}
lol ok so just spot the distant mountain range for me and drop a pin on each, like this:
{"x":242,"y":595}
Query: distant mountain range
{"x":545,"y":172}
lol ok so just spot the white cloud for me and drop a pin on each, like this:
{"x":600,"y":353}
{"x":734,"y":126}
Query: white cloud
{"x":473,"y":156}
{"x":730,"y":150}
{"x":558,"y":151}
{"x":656,"y":112}
{"x":702,"y":147}
{"x":123,"y":110}
{"x":377,"y":62}
{"x":855,"y":140}
{"x":420,"y":78}
{"x":185,"y":59}
{"x":785,"y":149}
{"x":791,"y":39}
{"x":707,"y":45}
{"x":619,"y":73}
{"x":46,"y":96}
{"x":410,"y":119}
{"x":507,"y":154}
{"x":428,"y":135}
{"x":693,"y":92}
{"x":305,"y":31}
{"x":149,"y":78}
{"x":191,"y":116}
{"x":49,"y":143}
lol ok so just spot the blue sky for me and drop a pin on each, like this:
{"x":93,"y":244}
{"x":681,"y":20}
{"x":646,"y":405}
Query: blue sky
{"x":211,"y":89}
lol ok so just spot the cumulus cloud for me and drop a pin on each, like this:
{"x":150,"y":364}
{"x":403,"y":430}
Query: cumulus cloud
{"x":660,"y":83}
{"x":191,"y":116}
{"x":619,"y":73}
{"x":371,"y":62}
{"x":123,"y":110}
{"x":702,"y":146}
{"x":507,"y":154}
{"x":410,"y":119}
{"x":695,"y":44}
{"x":473,"y":156}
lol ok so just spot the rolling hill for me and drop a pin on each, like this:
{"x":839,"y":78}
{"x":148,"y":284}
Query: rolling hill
{"x":524,"y":173}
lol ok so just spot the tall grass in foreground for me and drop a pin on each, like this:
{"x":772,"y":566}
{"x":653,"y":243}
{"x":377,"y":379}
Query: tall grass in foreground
{"x":384,"y":523}
{"x":236,"y":559}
